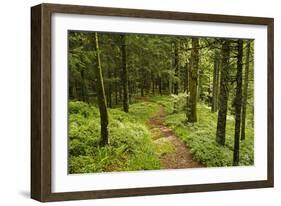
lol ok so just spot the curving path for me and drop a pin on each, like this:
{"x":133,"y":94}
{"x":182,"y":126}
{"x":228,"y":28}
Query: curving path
{"x":181,"y":157}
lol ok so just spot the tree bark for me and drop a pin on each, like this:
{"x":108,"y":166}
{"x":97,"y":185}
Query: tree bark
{"x":124,"y":75}
{"x":160,"y":85}
{"x":101,"y":95}
{"x":223,"y":98}
{"x":193,"y":80}
{"x":116,"y":86}
{"x":238,"y":103}
{"x":245,"y":91}
{"x":109,"y":95}
{"x":215,"y":82}
{"x":186,"y":78}
{"x":84,"y":91}
{"x":142,"y":88}
{"x":153,"y":86}
{"x":176,"y":66}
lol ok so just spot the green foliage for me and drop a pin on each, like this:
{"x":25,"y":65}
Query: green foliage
{"x":179,"y":102}
{"x":130,"y":148}
{"x":200,"y":137}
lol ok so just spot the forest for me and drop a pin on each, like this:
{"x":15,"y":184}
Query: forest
{"x":148,"y":102}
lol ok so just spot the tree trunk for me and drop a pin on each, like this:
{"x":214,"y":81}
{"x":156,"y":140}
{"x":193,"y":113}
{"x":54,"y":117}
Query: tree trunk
{"x":215,"y":82}
{"x":124,"y":75}
{"x":160,"y":85}
{"x":245,"y":91}
{"x":84,"y":92}
{"x":186,"y":78}
{"x":109,"y":95}
{"x":153,"y":86}
{"x":130,"y":88}
{"x":74,"y":90}
{"x":199,"y":84}
{"x":223,"y":98}
{"x":142,"y":88}
{"x":238,"y":103}
{"x":101,"y":95}
{"x":176,"y":66}
{"x":193,"y":75}
{"x":115,"y":86}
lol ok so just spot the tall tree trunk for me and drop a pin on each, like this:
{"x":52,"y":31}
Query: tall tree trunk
{"x":153,"y":86}
{"x":160,"y":85}
{"x":130,"y":91}
{"x":84,"y":91}
{"x":74,"y":90}
{"x":186,"y":78}
{"x":215,"y":82}
{"x":109,"y":95}
{"x":193,"y":80}
{"x":238,"y":103}
{"x":223,"y":98}
{"x":120,"y":89}
{"x":101,"y":95}
{"x":115,"y":86}
{"x":124,"y":75}
{"x":199,"y":84}
{"x":245,"y":91}
{"x":176,"y":66}
{"x":142,"y":88}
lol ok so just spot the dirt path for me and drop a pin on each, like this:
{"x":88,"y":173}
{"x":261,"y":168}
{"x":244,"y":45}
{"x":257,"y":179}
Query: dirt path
{"x":181,"y":156}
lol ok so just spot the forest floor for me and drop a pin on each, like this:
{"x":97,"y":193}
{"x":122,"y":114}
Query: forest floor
{"x":151,"y":136}
{"x":179,"y":155}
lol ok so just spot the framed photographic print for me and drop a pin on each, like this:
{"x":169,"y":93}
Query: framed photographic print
{"x":130,"y":102}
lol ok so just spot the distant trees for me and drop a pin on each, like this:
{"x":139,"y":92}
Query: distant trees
{"x":124,"y":74}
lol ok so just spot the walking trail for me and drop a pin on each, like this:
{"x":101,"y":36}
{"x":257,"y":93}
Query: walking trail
{"x":181,"y":156}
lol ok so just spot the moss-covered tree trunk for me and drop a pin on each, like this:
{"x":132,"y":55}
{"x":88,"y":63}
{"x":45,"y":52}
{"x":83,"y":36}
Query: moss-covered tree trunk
{"x":124,"y":74}
{"x":223,"y":98}
{"x":238,"y":103}
{"x":215,"y":82}
{"x":101,"y":95}
{"x":193,"y":75}
{"x":245,"y":91}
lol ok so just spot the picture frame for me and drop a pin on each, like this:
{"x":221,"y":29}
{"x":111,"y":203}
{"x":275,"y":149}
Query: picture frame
{"x":41,"y":101}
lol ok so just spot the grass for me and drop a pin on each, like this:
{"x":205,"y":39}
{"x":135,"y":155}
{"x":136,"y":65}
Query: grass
{"x":200,"y":138}
{"x":131,"y":146}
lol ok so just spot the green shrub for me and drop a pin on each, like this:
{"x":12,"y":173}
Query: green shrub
{"x":130,"y":147}
{"x":200,"y":137}
{"x":179,"y":102}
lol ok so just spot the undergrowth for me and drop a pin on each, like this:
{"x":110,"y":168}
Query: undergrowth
{"x":130,"y":148}
{"x":200,"y":138}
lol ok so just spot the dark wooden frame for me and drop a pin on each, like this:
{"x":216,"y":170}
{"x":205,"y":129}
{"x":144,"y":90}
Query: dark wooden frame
{"x":41,"y":101}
